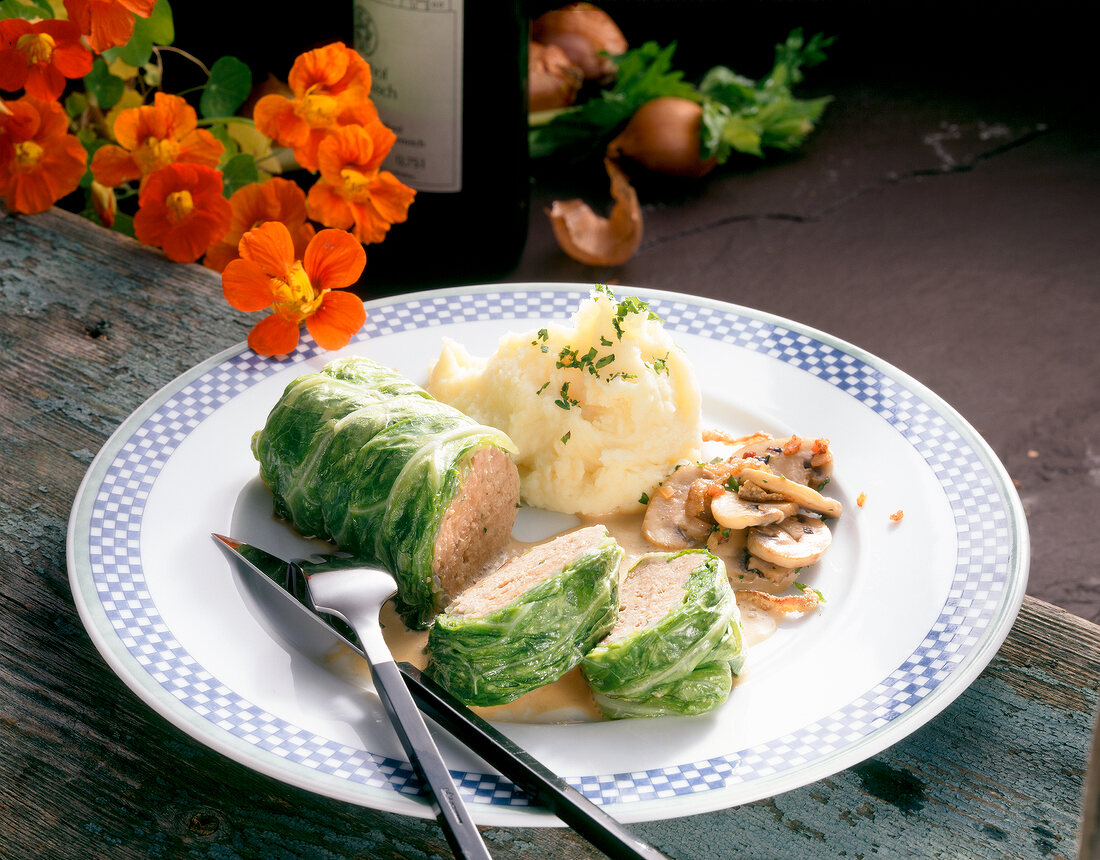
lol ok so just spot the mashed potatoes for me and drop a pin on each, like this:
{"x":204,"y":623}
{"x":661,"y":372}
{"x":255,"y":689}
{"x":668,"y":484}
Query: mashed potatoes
{"x":601,"y":409}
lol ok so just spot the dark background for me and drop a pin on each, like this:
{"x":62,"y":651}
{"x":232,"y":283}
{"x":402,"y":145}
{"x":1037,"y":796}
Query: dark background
{"x":1011,"y":49}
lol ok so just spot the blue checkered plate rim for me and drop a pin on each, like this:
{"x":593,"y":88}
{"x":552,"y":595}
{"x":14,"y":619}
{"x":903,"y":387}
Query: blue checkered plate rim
{"x":984,"y":575}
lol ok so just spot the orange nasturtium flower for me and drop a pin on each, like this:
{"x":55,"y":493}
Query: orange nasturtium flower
{"x":352,"y":191}
{"x":182,"y":211}
{"x":39,"y":56}
{"x":277,"y":199}
{"x":151,"y":137}
{"x":331,"y":87}
{"x":107,"y":23}
{"x":269,"y":276}
{"x":40,"y":162}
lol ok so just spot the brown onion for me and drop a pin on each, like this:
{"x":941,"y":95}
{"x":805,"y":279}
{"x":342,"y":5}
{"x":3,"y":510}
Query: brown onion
{"x":592,"y":239}
{"x":583,"y":31}
{"x":553,"y":79}
{"x":664,"y":136}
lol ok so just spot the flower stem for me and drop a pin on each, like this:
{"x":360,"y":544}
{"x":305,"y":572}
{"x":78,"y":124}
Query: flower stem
{"x":183,"y":53}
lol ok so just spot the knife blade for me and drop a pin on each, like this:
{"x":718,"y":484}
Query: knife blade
{"x":545,"y":788}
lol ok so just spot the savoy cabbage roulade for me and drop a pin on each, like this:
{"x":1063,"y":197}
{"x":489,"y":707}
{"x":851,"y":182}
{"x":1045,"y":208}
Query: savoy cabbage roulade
{"x":677,"y":641}
{"x":360,"y":455}
{"x":530,"y":621}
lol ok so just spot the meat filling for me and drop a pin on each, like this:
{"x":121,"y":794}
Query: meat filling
{"x":478,"y":522}
{"x":515,"y":577}
{"x":650,"y":591}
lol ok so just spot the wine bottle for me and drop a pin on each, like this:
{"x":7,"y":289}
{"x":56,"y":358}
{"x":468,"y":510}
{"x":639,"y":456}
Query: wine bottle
{"x":450,"y":78}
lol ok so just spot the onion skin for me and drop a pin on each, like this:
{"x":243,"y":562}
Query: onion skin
{"x":553,"y":79}
{"x":592,"y":239}
{"x":664,"y":136}
{"x":583,"y":31}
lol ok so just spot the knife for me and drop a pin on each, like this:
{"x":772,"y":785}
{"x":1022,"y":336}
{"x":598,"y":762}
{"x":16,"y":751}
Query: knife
{"x":545,"y":787}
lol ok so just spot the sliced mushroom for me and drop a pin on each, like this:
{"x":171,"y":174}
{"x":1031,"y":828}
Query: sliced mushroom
{"x":667,"y":523}
{"x":729,"y":546}
{"x":697,"y":502}
{"x":796,"y":542}
{"x":806,"y":497}
{"x":732,"y":512}
{"x":805,"y":461}
{"x":752,"y":493}
{"x":781,"y":577}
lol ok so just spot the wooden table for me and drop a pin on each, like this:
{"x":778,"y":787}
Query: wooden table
{"x":92,"y":324}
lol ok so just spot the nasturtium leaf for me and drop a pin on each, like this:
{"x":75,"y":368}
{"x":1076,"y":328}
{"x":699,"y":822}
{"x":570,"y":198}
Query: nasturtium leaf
{"x":229,"y":85}
{"x":104,"y":87}
{"x":122,"y":70}
{"x":29,"y":9}
{"x":221,"y":134}
{"x":124,"y":224}
{"x":157,"y":29}
{"x":159,"y":25}
{"x":75,"y":103}
{"x":238,"y":172}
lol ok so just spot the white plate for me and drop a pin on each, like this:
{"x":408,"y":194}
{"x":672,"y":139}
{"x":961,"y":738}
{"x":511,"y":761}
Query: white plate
{"x":914,"y":611}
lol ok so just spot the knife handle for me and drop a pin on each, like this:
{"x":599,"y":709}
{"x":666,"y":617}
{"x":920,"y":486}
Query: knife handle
{"x":451,"y":812}
{"x":545,"y":787}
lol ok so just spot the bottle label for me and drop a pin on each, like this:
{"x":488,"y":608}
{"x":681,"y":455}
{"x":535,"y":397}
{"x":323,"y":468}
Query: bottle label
{"x":414,"y":48}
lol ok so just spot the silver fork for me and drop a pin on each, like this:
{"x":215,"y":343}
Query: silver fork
{"x":356,"y":595}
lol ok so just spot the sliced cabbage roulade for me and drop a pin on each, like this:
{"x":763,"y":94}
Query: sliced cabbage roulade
{"x":530,"y":621}
{"x":676,"y":643}
{"x":359,"y":455}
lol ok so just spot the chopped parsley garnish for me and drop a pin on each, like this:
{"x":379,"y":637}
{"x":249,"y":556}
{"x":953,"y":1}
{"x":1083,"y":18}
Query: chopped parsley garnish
{"x":591,"y":361}
{"x":732,"y":484}
{"x":565,"y":401}
{"x":660,"y":365}
{"x":643,"y":499}
{"x":567,"y":357}
{"x":823,"y":484}
{"x":605,"y":342}
{"x":630,"y":305}
{"x":542,"y":388}
{"x":542,"y":336}
{"x":565,"y":438}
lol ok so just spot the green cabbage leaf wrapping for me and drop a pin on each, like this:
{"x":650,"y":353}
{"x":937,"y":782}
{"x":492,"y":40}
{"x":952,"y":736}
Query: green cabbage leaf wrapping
{"x":358,"y":454}
{"x":533,"y":640}
{"x":701,"y":690}
{"x":680,"y":664}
